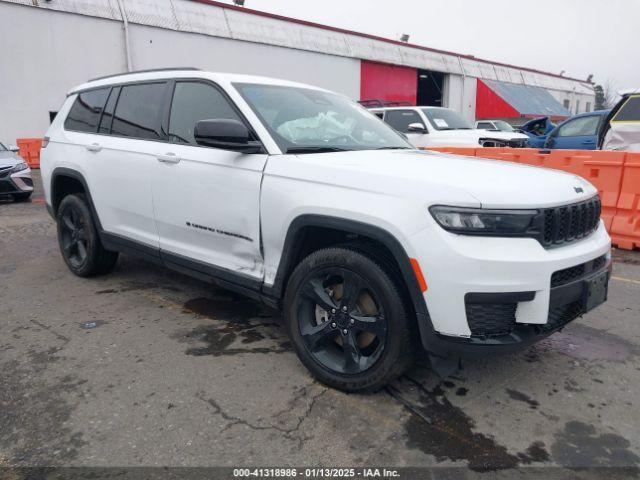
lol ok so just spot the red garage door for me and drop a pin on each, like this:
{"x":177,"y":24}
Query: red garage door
{"x":388,"y":82}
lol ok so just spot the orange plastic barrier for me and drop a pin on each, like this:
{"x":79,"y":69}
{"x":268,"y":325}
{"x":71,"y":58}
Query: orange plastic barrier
{"x":30,"y":150}
{"x":625,"y":230}
{"x":616,"y":175}
{"x":468,"y":151}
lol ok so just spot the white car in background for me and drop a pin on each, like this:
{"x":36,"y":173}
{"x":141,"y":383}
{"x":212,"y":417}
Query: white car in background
{"x":621,"y":128}
{"x":443,"y":127}
{"x":494,"y":126}
{"x":15,"y":175}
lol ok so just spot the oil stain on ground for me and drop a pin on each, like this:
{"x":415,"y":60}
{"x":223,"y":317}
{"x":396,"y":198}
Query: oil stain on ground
{"x":522,"y":397}
{"x":133,"y":286}
{"x":438,"y":428}
{"x":587,"y":343}
{"x":238,"y":326}
{"x":580,"y":445}
{"x":34,"y":415}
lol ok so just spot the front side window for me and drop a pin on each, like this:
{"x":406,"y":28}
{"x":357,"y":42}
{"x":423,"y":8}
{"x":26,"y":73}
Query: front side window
{"x":579,"y":126}
{"x":86,"y":111}
{"x":138,"y":113}
{"x":401,"y":119}
{"x":303,"y":120}
{"x":2,"y":148}
{"x":192,"y":102}
{"x":446,"y":119}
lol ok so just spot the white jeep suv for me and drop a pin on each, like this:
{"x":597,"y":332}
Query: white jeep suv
{"x":300,"y":198}
{"x":428,"y":127}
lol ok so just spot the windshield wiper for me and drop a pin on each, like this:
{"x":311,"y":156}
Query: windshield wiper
{"x":394,"y":148}
{"x":318,"y":149}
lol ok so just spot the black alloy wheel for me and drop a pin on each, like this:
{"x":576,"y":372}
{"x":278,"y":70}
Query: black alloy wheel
{"x":73,"y":236}
{"x":348,"y":320}
{"x":341,"y":321}
{"x":79,"y":241}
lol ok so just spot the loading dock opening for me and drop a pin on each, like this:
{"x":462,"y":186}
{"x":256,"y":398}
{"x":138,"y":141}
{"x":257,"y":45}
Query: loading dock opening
{"x":430,"y":88}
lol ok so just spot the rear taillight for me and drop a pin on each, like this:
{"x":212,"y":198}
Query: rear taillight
{"x":45,"y":142}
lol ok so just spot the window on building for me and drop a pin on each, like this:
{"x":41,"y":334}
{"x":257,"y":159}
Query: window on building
{"x":580,"y":126}
{"x":577,"y":106}
{"x":138,"y":113}
{"x":107,"y":115}
{"x":192,"y":102}
{"x":567,"y":104}
{"x":86,"y":110}
{"x":587,"y":107}
{"x":401,"y":119}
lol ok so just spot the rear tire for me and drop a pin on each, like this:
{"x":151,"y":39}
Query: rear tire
{"x":21,"y":197}
{"x":79,"y":240}
{"x":339,"y":298}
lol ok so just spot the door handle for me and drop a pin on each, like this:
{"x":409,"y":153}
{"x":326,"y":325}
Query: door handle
{"x":94,"y":147}
{"x":168,"y":158}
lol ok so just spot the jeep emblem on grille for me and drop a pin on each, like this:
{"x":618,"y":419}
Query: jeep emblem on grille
{"x":578,"y":189}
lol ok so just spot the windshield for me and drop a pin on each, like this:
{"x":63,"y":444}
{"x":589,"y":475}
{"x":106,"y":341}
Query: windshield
{"x":446,"y":119}
{"x":503,"y":126}
{"x":306,"y":121}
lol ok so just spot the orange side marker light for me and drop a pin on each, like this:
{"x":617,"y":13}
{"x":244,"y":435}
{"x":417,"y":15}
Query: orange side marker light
{"x":417,"y":271}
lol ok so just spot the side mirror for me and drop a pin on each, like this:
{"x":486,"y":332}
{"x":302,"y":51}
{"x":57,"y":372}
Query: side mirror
{"x":226,"y":134}
{"x":13,"y":148}
{"x":417,"y":128}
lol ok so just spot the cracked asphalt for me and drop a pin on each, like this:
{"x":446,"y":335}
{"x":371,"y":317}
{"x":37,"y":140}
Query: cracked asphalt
{"x":146,"y":367}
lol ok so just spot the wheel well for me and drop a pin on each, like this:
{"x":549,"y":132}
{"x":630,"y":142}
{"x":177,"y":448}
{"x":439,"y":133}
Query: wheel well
{"x":64,"y":185}
{"x":309,"y":239}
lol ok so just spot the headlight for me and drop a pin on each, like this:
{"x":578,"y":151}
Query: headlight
{"x":478,"y":221}
{"x":19,"y":167}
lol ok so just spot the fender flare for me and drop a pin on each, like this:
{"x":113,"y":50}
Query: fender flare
{"x":366,"y":230}
{"x":68,"y":172}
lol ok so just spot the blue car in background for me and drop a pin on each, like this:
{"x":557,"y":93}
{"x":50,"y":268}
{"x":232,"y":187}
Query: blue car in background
{"x":576,"y":133}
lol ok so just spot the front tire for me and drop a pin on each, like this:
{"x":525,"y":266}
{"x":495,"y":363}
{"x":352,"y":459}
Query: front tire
{"x":79,"y":241}
{"x":347,"y":320}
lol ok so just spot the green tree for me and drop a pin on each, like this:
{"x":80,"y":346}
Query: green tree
{"x":601,"y":99}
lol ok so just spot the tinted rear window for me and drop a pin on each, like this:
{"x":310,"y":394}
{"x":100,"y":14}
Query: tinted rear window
{"x":86,"y":110}
{"x":630,"y":111}
{"x":138,"y":112}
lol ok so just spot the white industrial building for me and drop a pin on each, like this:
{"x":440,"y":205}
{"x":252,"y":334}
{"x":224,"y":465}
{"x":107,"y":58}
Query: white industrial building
{"x":49,"y":46}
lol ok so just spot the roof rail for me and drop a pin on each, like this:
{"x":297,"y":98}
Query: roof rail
{"x":377,"y":103}
{"x":145,"y":71}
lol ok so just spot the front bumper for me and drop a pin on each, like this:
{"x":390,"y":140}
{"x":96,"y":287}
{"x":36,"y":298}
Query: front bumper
{"x":513,"y":276}
{"x":17,"y":183}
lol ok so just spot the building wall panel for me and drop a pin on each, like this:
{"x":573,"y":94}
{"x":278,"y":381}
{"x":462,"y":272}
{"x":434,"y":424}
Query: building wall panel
{"x":40,"y":64}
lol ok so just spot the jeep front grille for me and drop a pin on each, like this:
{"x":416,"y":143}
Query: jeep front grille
{"x":570,"y":222}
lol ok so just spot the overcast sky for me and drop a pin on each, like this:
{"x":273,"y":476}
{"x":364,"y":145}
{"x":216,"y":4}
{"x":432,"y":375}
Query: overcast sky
{"x":578,"y":36}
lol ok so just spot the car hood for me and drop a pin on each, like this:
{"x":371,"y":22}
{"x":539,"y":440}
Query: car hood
{"x":440,"y":178}
{"x":8,"y":159}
